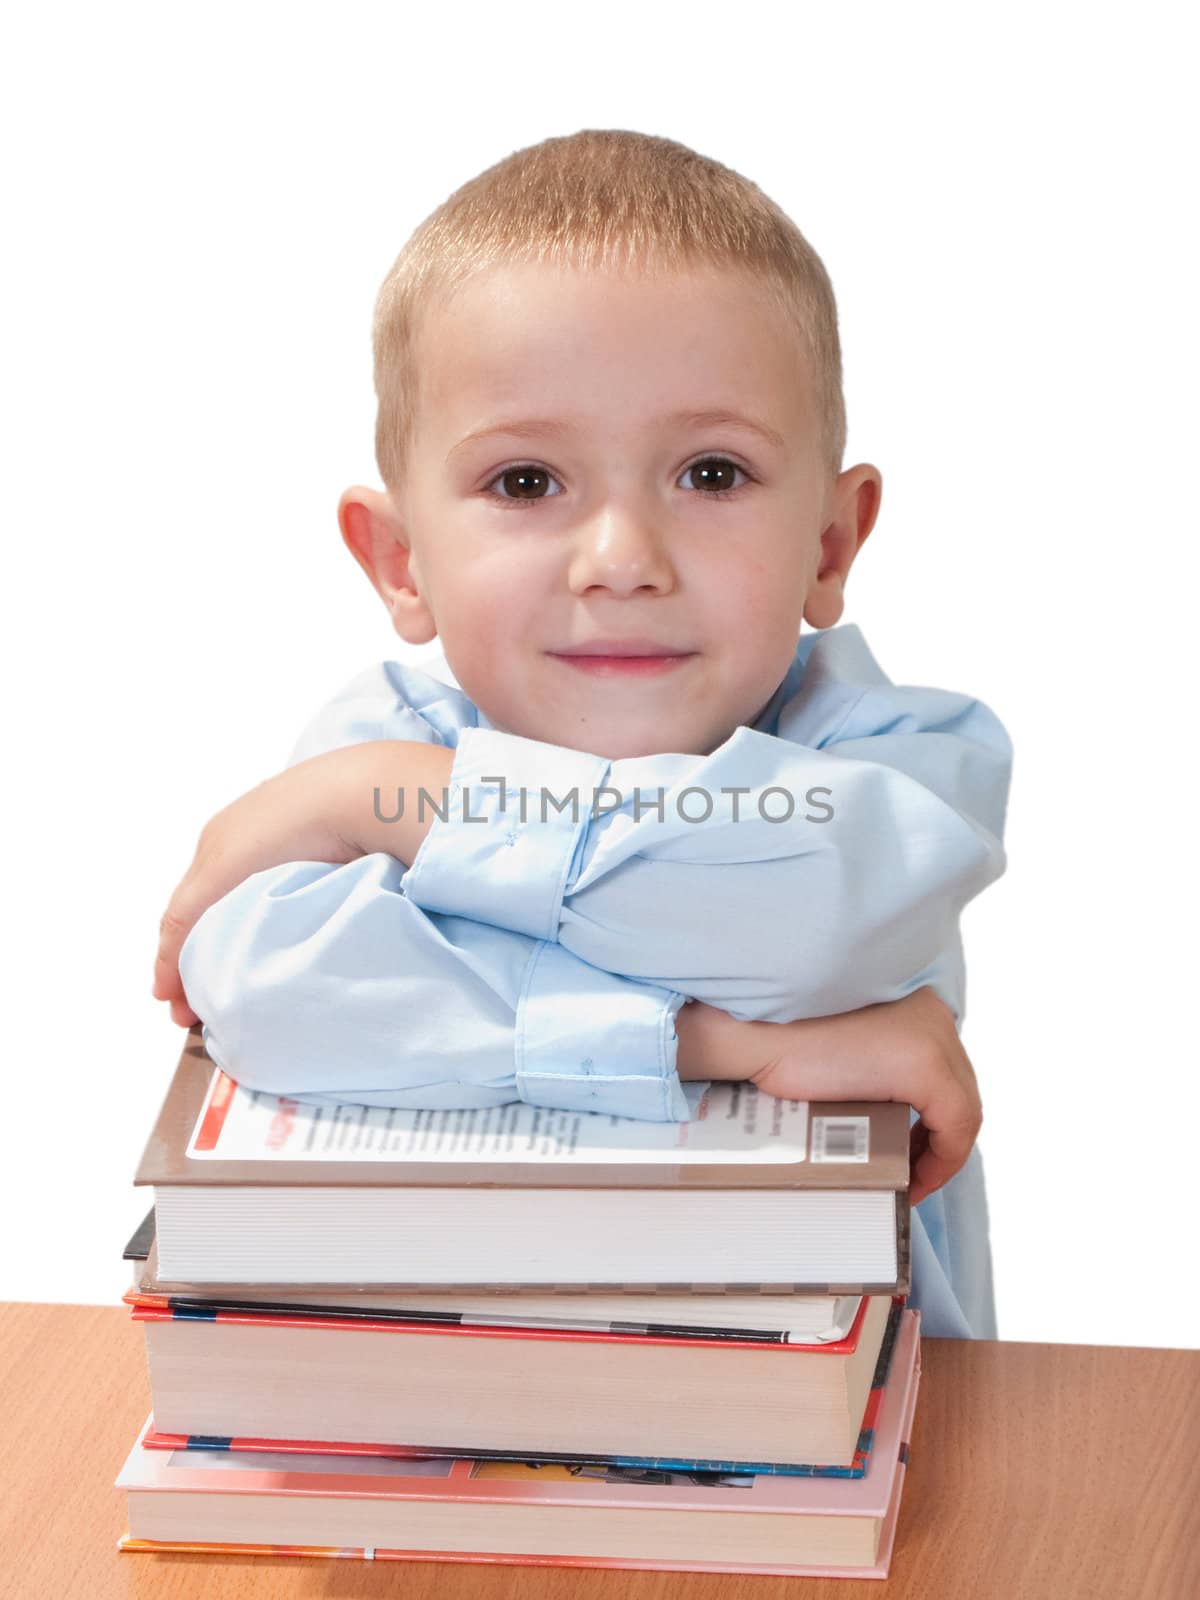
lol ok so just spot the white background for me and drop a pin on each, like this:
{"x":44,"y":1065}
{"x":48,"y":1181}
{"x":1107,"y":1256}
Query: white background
{"x":200,"y":203}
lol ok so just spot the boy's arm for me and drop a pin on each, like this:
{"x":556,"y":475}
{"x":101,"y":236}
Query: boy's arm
{"x":906,"y":1050}
{"x":891,"y":826}
{"x":320,"y":979}
{"x":325,"y":982}
{"x":558,"y":971}
{"x":249,"y":1004}
{"x":824,"y":917}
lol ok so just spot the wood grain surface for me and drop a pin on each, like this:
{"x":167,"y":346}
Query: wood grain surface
{"x":1038,"y":1472}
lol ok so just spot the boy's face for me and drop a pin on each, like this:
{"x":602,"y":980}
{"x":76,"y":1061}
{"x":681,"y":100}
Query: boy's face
{"x":528,"y":543}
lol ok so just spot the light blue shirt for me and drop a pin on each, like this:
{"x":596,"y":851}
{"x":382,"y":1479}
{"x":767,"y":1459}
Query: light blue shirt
{"x":563,"y":907}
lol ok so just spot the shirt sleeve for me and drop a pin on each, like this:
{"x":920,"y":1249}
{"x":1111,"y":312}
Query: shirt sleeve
{"x":325,"y":983}
{"x":854,"y":855}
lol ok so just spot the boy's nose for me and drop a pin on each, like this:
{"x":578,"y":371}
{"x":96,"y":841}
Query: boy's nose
{"x":621,"y":550}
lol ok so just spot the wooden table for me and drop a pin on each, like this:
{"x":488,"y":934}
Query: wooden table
{"x":1056,"y":1471}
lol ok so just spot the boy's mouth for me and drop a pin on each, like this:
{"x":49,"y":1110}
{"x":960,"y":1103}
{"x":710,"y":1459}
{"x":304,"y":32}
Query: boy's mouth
{"x":609,"y":649}
{"x":622,"y":665}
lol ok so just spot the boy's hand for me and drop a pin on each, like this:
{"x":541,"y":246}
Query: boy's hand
{"x":906,"y":1050}
{"x":290,"y":817}
{"x":322,"y":809}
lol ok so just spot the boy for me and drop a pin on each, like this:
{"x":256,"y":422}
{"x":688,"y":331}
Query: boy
{"x":611,"y":430}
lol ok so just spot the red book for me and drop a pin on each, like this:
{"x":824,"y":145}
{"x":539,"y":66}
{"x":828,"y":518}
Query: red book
{"x":526,"y":1391}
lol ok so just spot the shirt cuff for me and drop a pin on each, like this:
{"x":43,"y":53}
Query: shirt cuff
{"x":517,"y":810}
{"x":589,"y":1040}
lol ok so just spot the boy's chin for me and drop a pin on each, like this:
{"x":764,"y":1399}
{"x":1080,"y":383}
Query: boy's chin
{"x":627,"y":745}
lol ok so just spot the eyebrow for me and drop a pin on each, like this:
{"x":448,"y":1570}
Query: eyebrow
{"x":550,"y":428}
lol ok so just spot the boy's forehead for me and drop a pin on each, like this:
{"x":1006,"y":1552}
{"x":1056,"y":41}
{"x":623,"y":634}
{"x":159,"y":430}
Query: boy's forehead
{"x":504,"y":356}
{"x":687,"y":417}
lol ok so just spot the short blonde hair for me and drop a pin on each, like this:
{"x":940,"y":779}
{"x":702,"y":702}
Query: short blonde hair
{"x":601,"y":198}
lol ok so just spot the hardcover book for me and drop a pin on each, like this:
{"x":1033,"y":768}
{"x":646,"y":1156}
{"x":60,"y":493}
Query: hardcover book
{"x":779,"y":1318}
{"x":453,"y":1389}
{"x":754,"y":1193}
{"x":649,"y":1468}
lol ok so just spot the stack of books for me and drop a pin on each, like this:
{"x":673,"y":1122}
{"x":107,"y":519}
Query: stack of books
{"x":524,"y":1335}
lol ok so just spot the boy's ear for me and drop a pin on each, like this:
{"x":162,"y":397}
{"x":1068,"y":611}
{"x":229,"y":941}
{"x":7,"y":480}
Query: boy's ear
{"x":850,"y":516}
{"x":376,"y":538}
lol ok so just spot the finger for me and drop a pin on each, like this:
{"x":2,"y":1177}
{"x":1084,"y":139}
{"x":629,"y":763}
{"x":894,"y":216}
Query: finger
{"x":935,"y":1155}
{"x":920,"y":1172}
{"x":168,"y":985}
{"x":929,"y":1172}
{"x":166,"y":978}
{"x":930,"y":1175}
{"x":183,"y":1014}
{"x":174,"y":927}
{"x":943,"y":1091}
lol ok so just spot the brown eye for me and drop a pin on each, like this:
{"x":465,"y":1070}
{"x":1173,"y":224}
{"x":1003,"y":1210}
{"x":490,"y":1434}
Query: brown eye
{"x":526,"y":484}
{"x":523,"y":482}
{"x":713,"y":475}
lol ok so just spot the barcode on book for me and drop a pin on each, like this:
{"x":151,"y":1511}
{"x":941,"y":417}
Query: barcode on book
{"x":841,"y":1139}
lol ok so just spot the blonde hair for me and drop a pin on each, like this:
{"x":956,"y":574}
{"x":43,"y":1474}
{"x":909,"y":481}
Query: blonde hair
{"x":601,"y":198}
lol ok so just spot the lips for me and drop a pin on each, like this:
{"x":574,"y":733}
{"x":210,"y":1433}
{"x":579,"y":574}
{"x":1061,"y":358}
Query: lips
{"x":623,"y":667}
{"x":608,"y":648}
